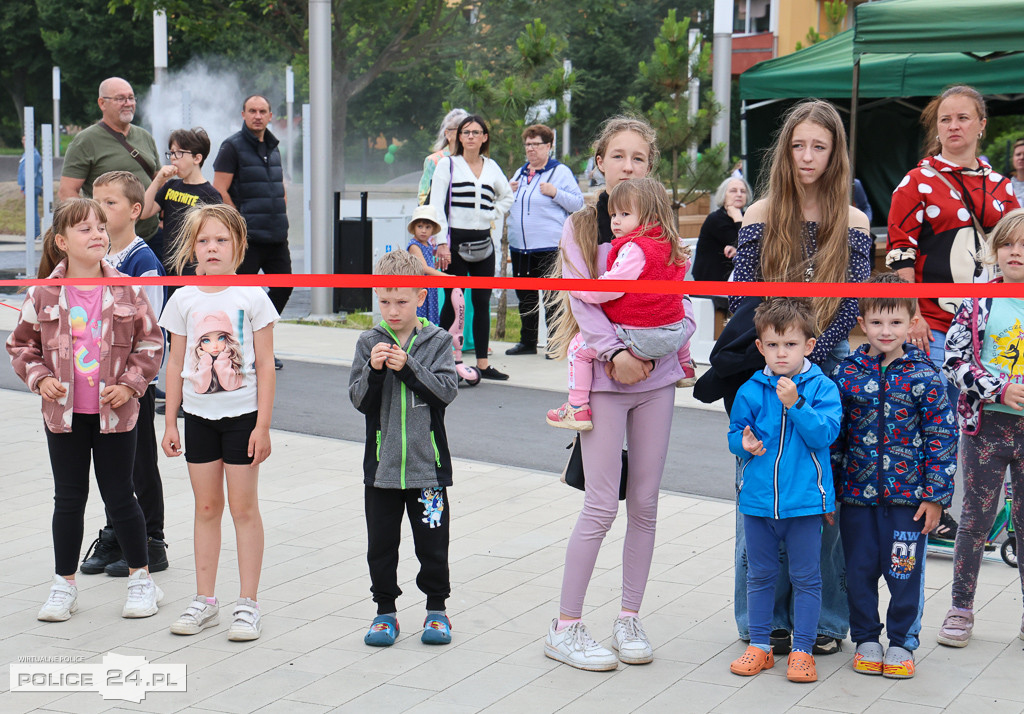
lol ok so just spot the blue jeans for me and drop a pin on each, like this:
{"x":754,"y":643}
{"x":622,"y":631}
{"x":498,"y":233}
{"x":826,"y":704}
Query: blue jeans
{"x":938,"y":355}
{"x":802,"y":538}
{"x":834,"y":619}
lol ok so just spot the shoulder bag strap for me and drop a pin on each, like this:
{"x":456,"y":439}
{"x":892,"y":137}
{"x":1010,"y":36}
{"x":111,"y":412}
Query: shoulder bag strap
{"x":977,"y":224}
{"x":132,"y":151}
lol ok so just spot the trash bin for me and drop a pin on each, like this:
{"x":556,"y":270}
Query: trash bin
{"x":353,"y":255}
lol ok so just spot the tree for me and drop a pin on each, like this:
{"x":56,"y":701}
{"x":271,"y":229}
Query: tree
{"x":507,"y":97}
{"x":835,"y":17}
{"x":24,"y":66}
{"x":667,"y":77}
{"x":369,"y":38}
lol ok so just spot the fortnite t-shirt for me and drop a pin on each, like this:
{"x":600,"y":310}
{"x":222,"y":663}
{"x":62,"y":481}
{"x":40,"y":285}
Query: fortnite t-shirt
{"x":175,"y":198}
{"x":1002,"y":350}
{"x":85,"y":312}
{"x":219,"y":371}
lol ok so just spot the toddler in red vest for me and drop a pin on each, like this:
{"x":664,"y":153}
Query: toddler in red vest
{"x":646,"y":247}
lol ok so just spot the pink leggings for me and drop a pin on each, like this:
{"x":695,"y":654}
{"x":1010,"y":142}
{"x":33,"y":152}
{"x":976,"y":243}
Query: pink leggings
{"x":581,"y":368}
{"x":645,"y":418}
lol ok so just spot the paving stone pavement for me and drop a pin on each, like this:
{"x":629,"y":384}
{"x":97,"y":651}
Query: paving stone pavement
{"x":509,"y":530}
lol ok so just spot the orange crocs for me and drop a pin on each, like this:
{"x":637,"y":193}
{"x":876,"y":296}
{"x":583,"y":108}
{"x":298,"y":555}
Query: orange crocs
{"x":801,"y":668}
{"x":752,"y":661}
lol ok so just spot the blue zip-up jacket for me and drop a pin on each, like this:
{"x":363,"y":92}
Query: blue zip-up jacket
{"x":793,"y":477}
{"x":535,"y":221}
{"x":897,"y":442}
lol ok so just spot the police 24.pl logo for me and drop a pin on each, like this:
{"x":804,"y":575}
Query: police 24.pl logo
{"x":116,"y":677}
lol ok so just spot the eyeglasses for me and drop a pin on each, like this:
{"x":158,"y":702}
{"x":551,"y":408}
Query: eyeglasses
{"x":534,"y":144}
{"x":177,"y":154}
{"x":472,"y":133}
{"x":130,"y":99}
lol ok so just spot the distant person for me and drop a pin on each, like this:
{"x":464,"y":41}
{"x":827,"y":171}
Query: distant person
{"x":89,"y":389}
{"x":408,"y":469}
{"x":592,"y":175}
{"x":860,"y":199}
{"x":121,"y":196}
{"x":111,"y":144}
{"x":178,"y":187}
{"x":248,"y":174}
{"x":546,"y":193}
{"x":38,"y":164}
{"x":443,"y":146}
{"x":469,"y":194}
{"x":423,"y":227}
{"x":716,"y":245}
{"x":1017,"y":178}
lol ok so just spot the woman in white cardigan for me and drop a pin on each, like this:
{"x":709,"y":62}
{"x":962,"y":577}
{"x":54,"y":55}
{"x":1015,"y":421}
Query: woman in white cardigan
{"x":469,"y":193}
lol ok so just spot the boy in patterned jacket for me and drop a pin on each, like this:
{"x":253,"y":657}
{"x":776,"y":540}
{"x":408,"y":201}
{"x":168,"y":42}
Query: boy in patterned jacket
{"x":893,"y":462}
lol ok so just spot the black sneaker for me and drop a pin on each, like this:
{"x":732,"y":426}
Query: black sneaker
{"x":278,"y":364}
{"x":826,"y":645}
{"x":162,"y":409}
{"x":520,"y":348}
{"x":103,"y":551}
{"x":945,"y":532}
{"x":492,"y":373}
{"x":782,"y":642}
{"x":157,"y":560}
{"x":159,"y":395}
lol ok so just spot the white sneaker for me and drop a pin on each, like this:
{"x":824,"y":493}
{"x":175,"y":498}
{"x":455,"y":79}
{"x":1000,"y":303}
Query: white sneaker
{"x":197,"y":617}
{"x":62,"y":602}
{"x":575,"y":647}
{"x":143,"y":595}
{"x":630,"y":641}
{"x":245,"y":621}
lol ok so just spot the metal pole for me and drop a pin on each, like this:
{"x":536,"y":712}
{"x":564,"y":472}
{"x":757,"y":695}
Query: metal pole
{"x":307,"y":227}
{"x":567,"y":101}
{"x":47,"y":154}
{"x":743,"y":142}
{"x":721,"y":77}
{"x":319,"y":187}
{"x":289,"y":97}
{"x":159,"y":47}
{"x":854,"y":97}
{"x":30,"y":191}
{"x":693,"y":41}
{"x":56,"y":111}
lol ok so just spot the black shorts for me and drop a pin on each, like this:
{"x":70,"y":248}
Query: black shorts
{"x":209,"y":440}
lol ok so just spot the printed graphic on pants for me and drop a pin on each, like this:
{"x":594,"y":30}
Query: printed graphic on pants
{"x":904,"y":554}
{"x":433,"y":506}
{"x":216,"y":356}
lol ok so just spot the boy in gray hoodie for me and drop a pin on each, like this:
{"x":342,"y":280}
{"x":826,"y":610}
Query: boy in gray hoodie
{"x":403,"y":377}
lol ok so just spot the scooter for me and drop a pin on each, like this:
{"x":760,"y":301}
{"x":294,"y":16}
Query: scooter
{"x":469,"y":375}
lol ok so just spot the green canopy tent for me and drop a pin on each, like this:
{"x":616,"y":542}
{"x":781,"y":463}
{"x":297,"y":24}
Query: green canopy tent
{"x":897,"y":86}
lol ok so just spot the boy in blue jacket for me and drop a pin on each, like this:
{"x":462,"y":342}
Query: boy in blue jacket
{"x":782,"y":422}
{"x":894,"y":462}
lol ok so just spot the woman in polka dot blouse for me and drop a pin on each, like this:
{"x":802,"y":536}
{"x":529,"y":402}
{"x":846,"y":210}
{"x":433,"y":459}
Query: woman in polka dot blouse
{"x":932,"y":238}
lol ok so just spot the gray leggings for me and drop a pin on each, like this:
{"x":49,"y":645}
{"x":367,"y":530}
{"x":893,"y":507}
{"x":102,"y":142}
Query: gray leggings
{"x":985,"y":456}
{"x":645,"y":419}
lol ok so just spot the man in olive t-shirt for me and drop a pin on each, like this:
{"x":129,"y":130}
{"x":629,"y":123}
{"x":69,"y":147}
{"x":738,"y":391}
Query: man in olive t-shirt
{"x":95,"y":151}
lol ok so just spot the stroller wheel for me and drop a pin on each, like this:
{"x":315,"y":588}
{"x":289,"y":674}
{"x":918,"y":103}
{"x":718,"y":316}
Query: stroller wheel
{"x":1009,"y":551}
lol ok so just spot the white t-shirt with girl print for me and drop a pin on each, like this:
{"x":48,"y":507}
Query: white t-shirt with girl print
{"x":219,"y":375}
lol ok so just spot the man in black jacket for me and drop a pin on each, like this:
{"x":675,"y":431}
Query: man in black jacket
{"x":247,"y":172}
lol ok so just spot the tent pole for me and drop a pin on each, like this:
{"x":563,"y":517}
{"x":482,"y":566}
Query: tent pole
{"x":743,"y":139}
{"x":853,"y":121}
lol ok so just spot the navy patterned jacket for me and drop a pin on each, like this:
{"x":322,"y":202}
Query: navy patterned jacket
{"x":897,"y":441}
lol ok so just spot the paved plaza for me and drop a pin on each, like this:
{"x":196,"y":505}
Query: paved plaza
{"x":509,"y":531}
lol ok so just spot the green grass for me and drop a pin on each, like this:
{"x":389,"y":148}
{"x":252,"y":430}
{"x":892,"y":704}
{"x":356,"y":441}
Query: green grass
{"x":364,"y":321}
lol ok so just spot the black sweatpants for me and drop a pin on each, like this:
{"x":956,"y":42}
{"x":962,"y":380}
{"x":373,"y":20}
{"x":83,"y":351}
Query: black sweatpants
{"x":273,"y":259}
{"x":429,"y":515}
{"x":480,"y":297}
{"x":534,"y":265}
{"x":149,"y":489}
{"x":112,"y":458}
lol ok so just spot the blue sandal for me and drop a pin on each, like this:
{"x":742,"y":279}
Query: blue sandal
{"x":437,"y":630}
{"x":383,"y":631}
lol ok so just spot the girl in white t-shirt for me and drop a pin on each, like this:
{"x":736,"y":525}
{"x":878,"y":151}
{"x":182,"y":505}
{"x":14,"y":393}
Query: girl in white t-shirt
{"x":220,"y":370}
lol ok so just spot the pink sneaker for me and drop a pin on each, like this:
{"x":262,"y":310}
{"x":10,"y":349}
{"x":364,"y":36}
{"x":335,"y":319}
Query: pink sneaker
{"x":570,"y":417}
{"x":689,"y":375}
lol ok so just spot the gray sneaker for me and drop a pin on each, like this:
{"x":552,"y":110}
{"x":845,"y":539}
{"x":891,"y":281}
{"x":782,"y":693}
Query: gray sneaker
{"x":956,"y":628}
{"x":197,"y":617}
